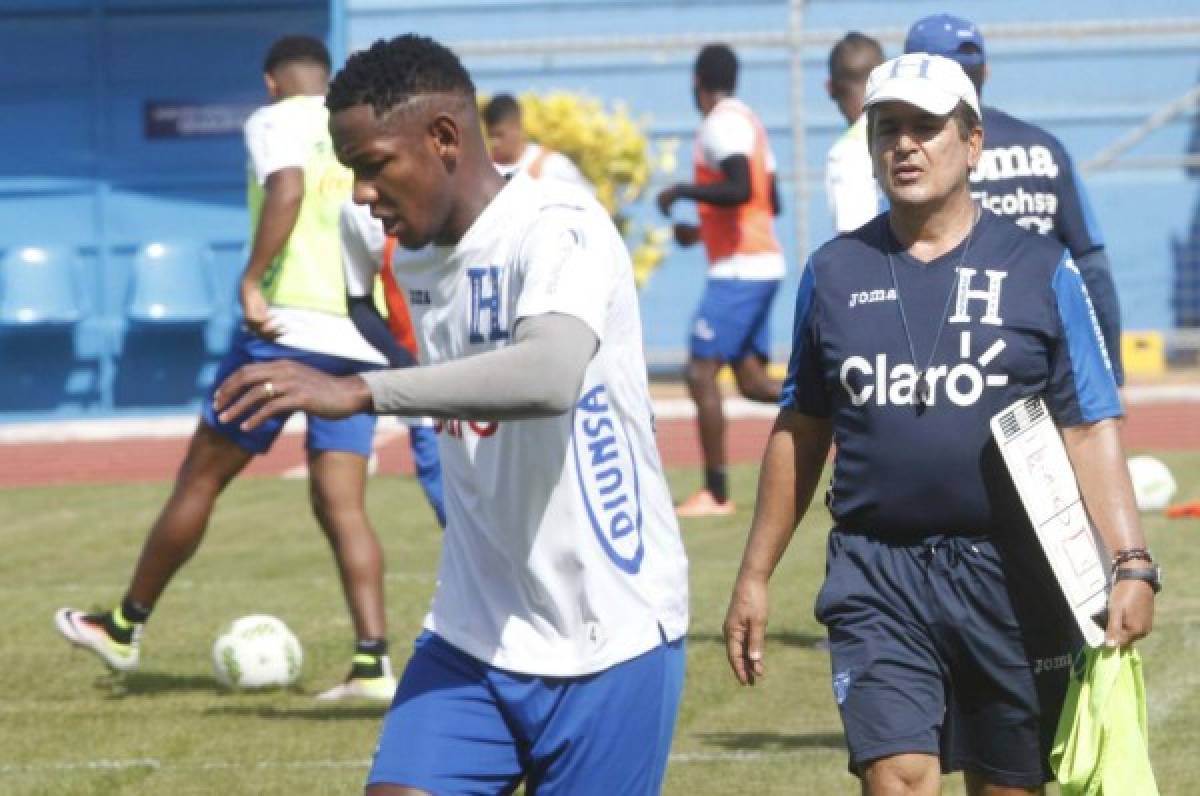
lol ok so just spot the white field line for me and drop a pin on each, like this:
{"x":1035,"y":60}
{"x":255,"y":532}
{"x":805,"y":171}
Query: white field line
{"x":665,"y":409}
{"x":155,"y":764}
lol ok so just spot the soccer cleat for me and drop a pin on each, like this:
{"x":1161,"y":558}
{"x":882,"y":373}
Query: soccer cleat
{"x":381,"y":687}
{"x":88,"y":631}
{"x":703,"y":504}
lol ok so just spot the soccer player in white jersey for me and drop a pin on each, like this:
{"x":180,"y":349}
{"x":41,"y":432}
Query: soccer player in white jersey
{"x":553,"y":651}
{"x":850,"y":187}
{"x":512,"y":151}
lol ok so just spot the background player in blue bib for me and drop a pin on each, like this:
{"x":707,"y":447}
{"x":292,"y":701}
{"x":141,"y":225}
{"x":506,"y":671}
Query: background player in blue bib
{"x":950,"y":644}
{"x":1026,"y":175}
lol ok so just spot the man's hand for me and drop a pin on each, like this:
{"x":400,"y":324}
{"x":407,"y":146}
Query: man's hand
{"x":686,"y":234}
{"x":257,"y":313}
{"x":746,"y":628}
{"x":282,"y":387}
{"x":666,"y":198}
{"x":1130,"y":612}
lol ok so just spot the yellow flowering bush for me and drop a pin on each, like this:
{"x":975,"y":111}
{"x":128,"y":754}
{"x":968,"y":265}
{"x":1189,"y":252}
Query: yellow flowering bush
{"x":610,"y":147}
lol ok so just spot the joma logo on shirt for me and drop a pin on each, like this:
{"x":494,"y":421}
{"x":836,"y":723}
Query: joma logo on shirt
{"x":1003,"y":163}
{"x":872,"y":296}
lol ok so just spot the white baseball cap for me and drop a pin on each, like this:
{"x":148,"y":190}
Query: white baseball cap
{"x":932,"y":83}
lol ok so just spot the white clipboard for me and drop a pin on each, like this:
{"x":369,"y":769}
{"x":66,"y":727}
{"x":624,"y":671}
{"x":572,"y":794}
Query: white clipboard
{"x":1037,"y":460}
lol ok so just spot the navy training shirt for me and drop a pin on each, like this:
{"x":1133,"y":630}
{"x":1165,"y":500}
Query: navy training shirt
{"x":1024,"y":174}
{"x":1018,"y":323}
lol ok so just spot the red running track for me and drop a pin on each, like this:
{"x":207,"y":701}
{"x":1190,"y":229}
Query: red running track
{"x":1153,"y":426}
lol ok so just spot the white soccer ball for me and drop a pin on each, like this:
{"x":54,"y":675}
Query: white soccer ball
{"x":257,"y":652}
{"x":1153,"y":484}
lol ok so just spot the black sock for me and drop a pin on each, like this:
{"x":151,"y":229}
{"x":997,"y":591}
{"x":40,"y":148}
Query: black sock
{"x":717,"y":483}
{"x":134,"y":611}
{"x":368,"y":657}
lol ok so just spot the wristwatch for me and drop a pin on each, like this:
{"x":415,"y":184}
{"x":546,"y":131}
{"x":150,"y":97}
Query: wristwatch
{"x":1151,"y":575}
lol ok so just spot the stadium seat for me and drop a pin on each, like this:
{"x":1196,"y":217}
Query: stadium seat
{"x":170,"y":283}
{"x":37,"y":287}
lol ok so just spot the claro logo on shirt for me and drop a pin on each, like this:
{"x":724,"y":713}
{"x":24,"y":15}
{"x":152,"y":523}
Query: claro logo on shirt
{"x":608,"y":479}
{"x":962,"y":384}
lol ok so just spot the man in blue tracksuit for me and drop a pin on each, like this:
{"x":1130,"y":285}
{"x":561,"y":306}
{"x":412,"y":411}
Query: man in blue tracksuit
{"x":949,"y":642}
{"x":1026,"y":175}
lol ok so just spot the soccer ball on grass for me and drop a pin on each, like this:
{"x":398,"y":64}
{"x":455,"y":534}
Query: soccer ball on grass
{"x":1153,"y":484}
{"x":257,"y":652}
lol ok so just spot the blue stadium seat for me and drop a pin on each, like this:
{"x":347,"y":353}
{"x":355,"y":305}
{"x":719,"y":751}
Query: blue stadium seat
{"x":170,"y":283}
{"x":37,"y":287}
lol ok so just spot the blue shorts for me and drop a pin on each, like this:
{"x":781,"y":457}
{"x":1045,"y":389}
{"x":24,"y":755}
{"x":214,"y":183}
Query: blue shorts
{"x":937,"y":649}
{"x":460,"y":726}
{"x":732,"y":321}
{"x":352,"y":434}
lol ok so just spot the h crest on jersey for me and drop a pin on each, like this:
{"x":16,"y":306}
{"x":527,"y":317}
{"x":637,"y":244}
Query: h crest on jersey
{"x":487,"y":305}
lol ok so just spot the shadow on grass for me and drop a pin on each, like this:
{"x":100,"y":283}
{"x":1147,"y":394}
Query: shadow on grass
{"x":773,"y":741}
{"x":315,"y":713}
{"x":155,"y":683}
{"x":789,"y":639}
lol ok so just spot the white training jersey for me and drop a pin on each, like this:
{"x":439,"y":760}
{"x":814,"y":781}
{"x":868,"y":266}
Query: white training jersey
{"x":727,"y":131}
{"x":552,"y":166}
{"x":561,"y":554}
{"x":275,"y":141}
{"x":850,"y":187}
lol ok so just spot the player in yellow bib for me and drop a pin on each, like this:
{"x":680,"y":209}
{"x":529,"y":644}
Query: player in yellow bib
{"x":293,"y":299}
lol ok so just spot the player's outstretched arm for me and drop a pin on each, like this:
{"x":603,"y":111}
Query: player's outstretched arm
{"x":539,"y":375}
{"x":1099,"y":462}
{"x":792,"y":465}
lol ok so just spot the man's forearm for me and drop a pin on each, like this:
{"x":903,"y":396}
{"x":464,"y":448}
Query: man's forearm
{"x":1099,"y":462}
{"x":539,"y":375}
{"x":283,"y":194}
{"x":791,"y":469}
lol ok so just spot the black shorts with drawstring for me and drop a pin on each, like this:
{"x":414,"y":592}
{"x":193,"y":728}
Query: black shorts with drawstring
{"x":950,"y":646}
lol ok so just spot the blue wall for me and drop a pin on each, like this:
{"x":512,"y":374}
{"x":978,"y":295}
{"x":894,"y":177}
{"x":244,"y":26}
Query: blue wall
{"x":77,"y":169}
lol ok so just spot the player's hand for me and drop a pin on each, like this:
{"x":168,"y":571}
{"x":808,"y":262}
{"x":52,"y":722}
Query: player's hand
{"x":256,"y":313}
{"x":746,"y":628}
{"x":259,"y":392}
{"x":1130,"y":612}
{"x":686,"y":234}
{"x":666,"y":198}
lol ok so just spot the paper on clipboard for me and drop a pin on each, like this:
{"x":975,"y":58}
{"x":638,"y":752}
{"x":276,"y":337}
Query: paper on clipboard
{"x":1036,"y":458}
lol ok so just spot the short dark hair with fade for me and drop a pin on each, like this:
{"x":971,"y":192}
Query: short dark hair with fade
{"x":717,"y":68}
{"x":296,"y":48}
{"x":391,"y":72}
{"x":501,"y":108}
{"x":853,"y":57}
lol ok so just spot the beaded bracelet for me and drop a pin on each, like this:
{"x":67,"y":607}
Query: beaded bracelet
{"x":1131,"y":554}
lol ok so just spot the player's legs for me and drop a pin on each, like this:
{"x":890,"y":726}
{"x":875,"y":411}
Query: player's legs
{"x":1017,"y":643}
{"x":753,"y":381}
{"x":976,"y":786}
{"x":212,"y":461}
{"x":903,"y":775}
{"x":216,"y":454}
{"x":446,"y":731}
{"x":337,"y":487}
{"x":750,"y":365}
{"x":606,"y":733}
{"x":888,"y":669}
{"x":337,"y":463}
{"x":710,"y":422}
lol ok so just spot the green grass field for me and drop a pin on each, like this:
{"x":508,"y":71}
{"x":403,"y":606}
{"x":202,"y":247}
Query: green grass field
{"x":66,"y":727}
